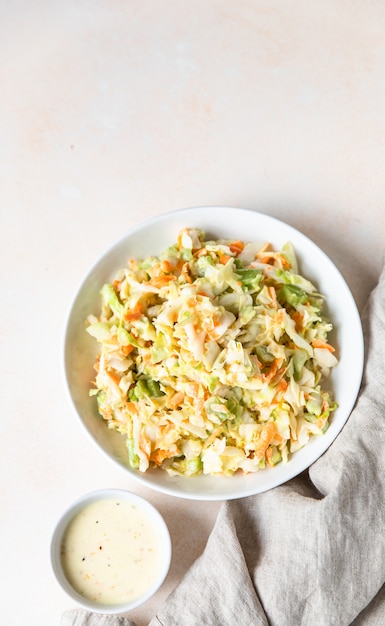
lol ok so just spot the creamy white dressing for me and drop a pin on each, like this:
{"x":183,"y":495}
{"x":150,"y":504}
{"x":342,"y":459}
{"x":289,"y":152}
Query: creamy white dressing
{"x":111,"y":552}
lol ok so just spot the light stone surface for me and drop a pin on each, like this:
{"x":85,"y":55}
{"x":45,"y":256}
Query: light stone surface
{"x":113,"y":112}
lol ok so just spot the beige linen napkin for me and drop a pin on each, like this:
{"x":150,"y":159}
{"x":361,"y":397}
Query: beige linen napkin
{"x":85,"y":618}
{"x":310,"y":552}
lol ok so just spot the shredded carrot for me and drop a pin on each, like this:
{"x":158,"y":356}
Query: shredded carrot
{"x":317,"y":343}
{"x":285,"y":263}
{"x":271,"y":371}
{"x":265,"y":438}
{"x":279,"y":318}
{"x":272,"y":294}
{"x":201,"y":252}
{"x":114,"y":377}
{"x":166,"y":266}
{"x":274,"y":373}
{"x":127,"y":349}
{"x":266,"y":259}
{"x":158,"y":456}
{"x":177,"y":399}
{"x":186,"y":273}
{"x":277,"y":377}
{"x":237,"y":247}
{"x":135,"y":313}
{"x":194,"y":389}
{"x":131,"y":408}
{"x":223,"y":258}
{"x":297,"y":316}
{"x":161,"y":281}
{"x":282,"y":386}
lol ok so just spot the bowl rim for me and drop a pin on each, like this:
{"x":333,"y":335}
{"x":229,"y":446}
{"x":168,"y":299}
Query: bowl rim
{"x":293,"y":470}
{"x":72,"y":510}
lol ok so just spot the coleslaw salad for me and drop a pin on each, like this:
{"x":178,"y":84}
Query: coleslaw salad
{"x":212,"y":357}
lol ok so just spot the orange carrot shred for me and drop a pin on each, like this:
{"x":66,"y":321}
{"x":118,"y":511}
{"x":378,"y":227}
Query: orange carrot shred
{"x":223,"y":258}
{"x":317,"y":343}
{"x":135,"y":313}
{"x":237,"y":247}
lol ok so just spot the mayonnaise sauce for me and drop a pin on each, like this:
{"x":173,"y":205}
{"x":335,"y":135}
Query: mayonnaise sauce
{"x":111,"y":552}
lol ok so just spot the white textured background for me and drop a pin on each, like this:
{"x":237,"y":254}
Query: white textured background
{"x":115,"y":111}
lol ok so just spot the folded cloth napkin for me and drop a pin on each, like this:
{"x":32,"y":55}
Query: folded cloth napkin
{"x":310,"y":552}
{"x":85,"y":618}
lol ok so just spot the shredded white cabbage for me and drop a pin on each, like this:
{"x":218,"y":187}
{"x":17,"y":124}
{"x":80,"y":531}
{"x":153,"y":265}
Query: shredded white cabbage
{"x":212,"y":357}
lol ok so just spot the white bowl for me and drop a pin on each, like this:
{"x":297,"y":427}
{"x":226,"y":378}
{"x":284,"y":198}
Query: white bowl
{"x":161,"y":532}
{"x":152,"y":237}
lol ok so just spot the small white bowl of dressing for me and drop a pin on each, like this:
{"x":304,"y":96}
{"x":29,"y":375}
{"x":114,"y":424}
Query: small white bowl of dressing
{"x":111,"y":551}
